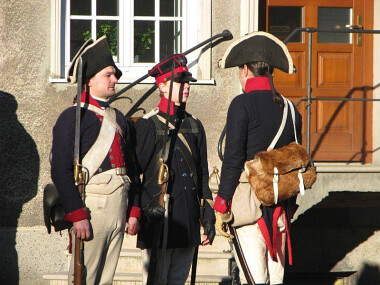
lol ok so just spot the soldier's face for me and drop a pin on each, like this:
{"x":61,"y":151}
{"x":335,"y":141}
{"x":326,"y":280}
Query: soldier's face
{"x":181,"y":91}
{"x":102,"y":85}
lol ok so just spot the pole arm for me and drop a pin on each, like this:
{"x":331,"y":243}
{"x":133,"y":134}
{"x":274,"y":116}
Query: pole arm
{"x":226,"y":35}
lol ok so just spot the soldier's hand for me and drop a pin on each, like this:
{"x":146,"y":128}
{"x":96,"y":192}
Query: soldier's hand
{"x":81,"y":229}
{"x":209,"y":232}
{"x":154,"y":211}
{"x":221,"y":224}
{"x":133,"y":226}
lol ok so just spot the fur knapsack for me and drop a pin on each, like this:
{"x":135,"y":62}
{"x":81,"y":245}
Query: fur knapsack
{"x":278,"y":174}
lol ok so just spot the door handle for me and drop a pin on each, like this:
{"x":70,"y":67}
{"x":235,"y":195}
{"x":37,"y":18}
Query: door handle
{"x":357,"y":27}
{"x":354,"y":27}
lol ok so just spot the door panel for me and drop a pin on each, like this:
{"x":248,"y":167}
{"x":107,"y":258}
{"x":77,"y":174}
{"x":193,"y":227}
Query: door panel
{"x":338,"y":128}
{"x":298,"y":79}
{"x":334,"y":70}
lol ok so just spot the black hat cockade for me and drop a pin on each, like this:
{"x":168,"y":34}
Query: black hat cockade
{"x":258,"y":47}
{"x":96,"y":55}
{"x":163,"y":70}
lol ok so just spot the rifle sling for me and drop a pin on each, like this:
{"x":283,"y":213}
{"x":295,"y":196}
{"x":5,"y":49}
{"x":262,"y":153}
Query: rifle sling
{"x":184,"y":147}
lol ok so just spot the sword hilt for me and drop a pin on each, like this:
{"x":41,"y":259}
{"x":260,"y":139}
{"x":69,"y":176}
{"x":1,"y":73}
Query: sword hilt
{"x":163,"y":173}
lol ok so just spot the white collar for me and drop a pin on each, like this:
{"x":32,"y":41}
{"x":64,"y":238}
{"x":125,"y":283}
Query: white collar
{"x":99,"y":99}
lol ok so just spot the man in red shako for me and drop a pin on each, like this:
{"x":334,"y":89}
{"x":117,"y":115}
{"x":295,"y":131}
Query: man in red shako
{"x":107,"y":154}
{"x":253,"y":120}
{"x":188,"y":181}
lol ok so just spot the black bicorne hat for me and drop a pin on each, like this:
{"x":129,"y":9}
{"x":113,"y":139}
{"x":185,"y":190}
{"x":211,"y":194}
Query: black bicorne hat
{"x":258,"y":46}
{"x":96,"y":55}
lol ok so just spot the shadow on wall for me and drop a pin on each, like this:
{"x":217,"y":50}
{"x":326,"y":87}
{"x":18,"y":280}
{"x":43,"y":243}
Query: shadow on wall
{"x":370,"y":275}
{"x":335,"y":227}
{"x":19,"y":171}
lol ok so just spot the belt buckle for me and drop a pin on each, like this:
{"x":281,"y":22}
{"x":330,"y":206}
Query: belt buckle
{"x":121,"y":171}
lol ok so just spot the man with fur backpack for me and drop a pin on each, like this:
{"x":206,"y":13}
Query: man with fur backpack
{"x":253,"y":120}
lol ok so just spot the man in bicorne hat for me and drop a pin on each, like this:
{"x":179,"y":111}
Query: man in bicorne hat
{"x":107,"y":154}
{"x":188,"y":181}
{"x":253,"y":120}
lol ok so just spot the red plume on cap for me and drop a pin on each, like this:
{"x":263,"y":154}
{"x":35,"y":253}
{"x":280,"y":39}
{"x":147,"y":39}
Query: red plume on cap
{"x":163,"y":70}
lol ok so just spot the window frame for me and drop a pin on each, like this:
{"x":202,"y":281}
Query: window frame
{"x":191,"y":35}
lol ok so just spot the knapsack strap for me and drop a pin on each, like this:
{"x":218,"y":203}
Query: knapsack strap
{"x":99,"y":150}
{"x":181,"y":136}
{"x":293,"y":118}
{"x":182,"y":143}
{"x":104,"y":114}
{"x":282,"y":126}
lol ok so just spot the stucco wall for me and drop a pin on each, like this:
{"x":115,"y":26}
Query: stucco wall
{"x":376,"y":81}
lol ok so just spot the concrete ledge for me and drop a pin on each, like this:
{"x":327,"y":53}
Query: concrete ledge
{"x":201,"y":254}
{"x":347,"y":168}
{"x":130,"y":252}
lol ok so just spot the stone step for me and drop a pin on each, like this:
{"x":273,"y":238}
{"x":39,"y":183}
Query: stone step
{"x":135,"y":279}
{"x":219,"y":244}
{"x":209,"y":262}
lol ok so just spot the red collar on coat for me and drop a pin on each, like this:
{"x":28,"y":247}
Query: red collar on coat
{"x":257,"y":83}
{"x":163,"y":106}
{"x":87,"y":98}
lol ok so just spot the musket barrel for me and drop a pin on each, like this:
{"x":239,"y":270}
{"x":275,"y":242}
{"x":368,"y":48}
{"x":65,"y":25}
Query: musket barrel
{"x":226,"y":34}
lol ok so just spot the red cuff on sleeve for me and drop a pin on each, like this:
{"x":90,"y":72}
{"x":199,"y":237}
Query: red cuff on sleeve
{"x":221,"y":205}
{"x":135,"y":212}
{"x":77,"y":215}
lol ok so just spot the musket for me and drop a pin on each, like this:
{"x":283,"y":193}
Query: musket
{"x":195,"y":257}
{"x":224,"y":36}
{"x":163,"y":199}
{"x":164,"y":193}
{"x":79,"y":180}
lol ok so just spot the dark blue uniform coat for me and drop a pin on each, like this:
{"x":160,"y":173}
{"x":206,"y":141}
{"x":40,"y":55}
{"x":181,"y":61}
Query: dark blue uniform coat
{"x":184,"y":208}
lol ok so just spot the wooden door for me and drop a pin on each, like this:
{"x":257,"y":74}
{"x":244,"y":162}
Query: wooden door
{"x":341,"y":67}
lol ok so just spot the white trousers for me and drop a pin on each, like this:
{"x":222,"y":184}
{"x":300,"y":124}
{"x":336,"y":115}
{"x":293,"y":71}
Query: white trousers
{"x":174,"y":267}
{"x":263,"y":269}
{"x":108,"y":220}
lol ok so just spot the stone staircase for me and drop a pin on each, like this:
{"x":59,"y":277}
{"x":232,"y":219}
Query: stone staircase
{"x":213,"y":265}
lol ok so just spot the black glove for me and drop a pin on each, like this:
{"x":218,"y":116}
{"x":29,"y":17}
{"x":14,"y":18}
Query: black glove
{"x":209,"y":230}
{"x":154,"y":212}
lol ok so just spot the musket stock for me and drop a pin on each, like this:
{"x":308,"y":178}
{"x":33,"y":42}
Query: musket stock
{"x":78,"y":250}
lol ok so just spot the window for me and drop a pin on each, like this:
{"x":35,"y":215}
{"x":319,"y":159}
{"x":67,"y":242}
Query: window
{"x":334,"y":18}
{"x":282,"y":20}
{"x":91,"y":18}
{"x":140,"y":33}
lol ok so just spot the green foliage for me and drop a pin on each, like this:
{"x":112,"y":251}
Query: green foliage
{"x":143,"y":41}
{"x":110,"y":31}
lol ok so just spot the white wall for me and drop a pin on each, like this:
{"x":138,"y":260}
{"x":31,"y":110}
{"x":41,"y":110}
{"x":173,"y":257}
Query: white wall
{"x":376,"y":81}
